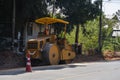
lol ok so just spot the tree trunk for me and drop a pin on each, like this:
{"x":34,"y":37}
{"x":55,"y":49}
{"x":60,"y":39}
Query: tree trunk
{"x":100,"y":29}
{"x":77,"y":33}
{"x":76,"y":38}
{"x":13,"y":25}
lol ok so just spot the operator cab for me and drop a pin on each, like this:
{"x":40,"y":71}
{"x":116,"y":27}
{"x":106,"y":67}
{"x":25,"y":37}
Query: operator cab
{"x":48,"y":29}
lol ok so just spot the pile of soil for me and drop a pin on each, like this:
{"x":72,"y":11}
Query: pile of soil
{"x":8,"y":59}
{"x":110,"y":55}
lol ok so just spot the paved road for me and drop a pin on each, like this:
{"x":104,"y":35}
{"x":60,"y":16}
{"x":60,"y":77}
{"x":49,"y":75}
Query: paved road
{"x":81,"y":71}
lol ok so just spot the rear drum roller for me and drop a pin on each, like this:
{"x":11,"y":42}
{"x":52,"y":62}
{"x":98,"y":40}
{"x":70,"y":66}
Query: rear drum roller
{"x":51,"y":54}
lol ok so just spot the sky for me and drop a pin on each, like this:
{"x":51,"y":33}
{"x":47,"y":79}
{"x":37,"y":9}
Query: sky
{"x":110,"y":7}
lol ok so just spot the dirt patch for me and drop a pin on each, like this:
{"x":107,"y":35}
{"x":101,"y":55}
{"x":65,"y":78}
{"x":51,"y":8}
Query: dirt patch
{"x":108,"y":56}
{"x":88,"y":58}
{"x":8,"y":59}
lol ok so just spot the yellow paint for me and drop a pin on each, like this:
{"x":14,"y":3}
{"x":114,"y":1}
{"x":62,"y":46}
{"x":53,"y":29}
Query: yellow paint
{"x":54,"y":55}
{"x":67,"y":54}
{"x":48,"y":20}
{"x":37,"y":54}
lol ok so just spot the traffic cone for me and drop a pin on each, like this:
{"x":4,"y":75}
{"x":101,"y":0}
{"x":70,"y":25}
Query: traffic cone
{"x":28,"y":63}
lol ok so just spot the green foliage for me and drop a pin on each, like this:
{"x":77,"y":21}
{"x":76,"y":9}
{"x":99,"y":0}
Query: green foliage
{"x":90,"y":37}
{"x":32,"y":9}
{"x":78,"y":11}
{"x":108,"y":45}
{"x":71,"y":36}
{"x":115,"y":44}
{"x":107,"y":40}
{"x":25,"y":10}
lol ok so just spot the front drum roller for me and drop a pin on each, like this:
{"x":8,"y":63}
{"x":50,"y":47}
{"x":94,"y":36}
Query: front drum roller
{"x":51,"y":54}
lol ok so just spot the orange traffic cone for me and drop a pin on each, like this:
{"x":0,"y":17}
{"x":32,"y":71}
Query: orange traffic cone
{"x":28,"y":63}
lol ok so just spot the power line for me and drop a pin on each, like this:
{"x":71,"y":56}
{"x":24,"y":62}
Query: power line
{"x":112,"y":1}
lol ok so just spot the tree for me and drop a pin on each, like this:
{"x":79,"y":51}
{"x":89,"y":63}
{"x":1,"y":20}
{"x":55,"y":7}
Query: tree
{"x":108,"y":40}
{"x":90,"y":37}
{"x":26,"y":10}
{"x":78,"y":12}
{"x":5,"y":18}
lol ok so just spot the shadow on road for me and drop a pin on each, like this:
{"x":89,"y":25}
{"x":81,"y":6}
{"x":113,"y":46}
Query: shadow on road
{"x":12,"y":72}
{"x":39,"y":68}
{"x":57,"y":67}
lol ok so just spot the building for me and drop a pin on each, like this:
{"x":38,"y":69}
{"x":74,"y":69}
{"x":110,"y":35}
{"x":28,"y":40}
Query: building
{"x":116,"y":30}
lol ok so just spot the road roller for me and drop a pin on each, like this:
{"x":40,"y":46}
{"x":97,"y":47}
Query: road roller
{"x":47,"y":47}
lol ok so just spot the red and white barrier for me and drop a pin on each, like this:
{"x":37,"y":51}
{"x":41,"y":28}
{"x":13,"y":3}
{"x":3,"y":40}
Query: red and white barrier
{"x":28,"y":63}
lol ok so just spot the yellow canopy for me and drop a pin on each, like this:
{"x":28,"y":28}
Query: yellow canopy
{"x":48,"y":20}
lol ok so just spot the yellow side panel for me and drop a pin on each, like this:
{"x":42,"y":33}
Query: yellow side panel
{"x":67,"y":54}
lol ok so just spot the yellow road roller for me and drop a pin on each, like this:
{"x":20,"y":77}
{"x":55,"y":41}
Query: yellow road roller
{"x":47,"y":47}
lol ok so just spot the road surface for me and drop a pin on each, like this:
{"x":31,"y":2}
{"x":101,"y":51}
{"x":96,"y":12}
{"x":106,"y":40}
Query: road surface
{"x":78,"y":71}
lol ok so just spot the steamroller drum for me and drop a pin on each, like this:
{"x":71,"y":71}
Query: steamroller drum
{"x":51,"y":54}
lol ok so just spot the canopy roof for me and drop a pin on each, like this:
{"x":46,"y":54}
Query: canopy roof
{"x":48,"y":20}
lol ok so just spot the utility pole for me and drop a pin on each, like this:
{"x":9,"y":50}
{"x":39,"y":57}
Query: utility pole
{"x":100,"y":28}
{"x":13,"y":25}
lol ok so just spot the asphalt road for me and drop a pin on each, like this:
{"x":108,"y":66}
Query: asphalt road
{"x":78,"y":71}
